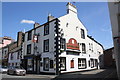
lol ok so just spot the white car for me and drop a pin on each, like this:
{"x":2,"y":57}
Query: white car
{"x":16,"y":70}
{"x":3,"y":69}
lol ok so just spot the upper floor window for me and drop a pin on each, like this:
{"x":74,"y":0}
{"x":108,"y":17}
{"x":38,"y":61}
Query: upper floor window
{"x":46,"y":45}
{"x":76,"y":28}
{"x":63,"y":42}
{"x":29,"y":35}
{"x":5,"y":52}
{"x":91,"y":47}
{"x":66,"y":24}
{"x":83,"y":48}
{"x":29,"y":49}
{"x":46,"y":29}
{"x":82,"y":34}
{"x":11,"y":56}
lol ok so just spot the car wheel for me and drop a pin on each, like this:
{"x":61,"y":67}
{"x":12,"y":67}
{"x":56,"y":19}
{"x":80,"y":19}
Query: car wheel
{"x":23,"y":74}
{"x":14,"y":72}
{"x":8,"y":73}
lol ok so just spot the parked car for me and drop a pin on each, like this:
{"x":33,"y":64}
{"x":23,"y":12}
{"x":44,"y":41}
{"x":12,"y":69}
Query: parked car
{"x":3,"y":69}
{"x":16,"y":70}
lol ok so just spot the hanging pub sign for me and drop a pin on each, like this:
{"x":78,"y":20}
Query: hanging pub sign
{"x":72,"y":44}
{"x":35,"y":38}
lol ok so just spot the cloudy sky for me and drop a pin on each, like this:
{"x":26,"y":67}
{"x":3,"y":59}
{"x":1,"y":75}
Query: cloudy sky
{"x":20,"y":16}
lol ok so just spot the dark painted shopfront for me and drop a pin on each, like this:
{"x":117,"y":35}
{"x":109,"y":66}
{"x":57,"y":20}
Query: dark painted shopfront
{"x":31,"y":64}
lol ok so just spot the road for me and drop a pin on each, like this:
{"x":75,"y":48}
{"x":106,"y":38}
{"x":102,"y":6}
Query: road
{"x":27,"y":77}
{"x":102,"y":74}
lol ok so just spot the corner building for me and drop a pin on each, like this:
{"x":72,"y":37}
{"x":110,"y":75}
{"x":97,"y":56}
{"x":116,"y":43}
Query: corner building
{"x":61,"y":45}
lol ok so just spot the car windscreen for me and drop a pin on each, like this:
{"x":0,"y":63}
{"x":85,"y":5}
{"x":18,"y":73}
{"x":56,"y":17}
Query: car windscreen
{"x":18,"y":67}
{"x":5,"y":67}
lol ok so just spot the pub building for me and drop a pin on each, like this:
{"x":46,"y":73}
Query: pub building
{"x":61,"y":45}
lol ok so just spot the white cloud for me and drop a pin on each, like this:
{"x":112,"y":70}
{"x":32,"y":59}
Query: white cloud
{"x":28,"y":21}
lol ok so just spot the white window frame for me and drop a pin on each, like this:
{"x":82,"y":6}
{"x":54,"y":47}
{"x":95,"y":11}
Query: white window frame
{"x":81,"y":63}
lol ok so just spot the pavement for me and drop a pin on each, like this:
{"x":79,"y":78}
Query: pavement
{"x":102,"y":74}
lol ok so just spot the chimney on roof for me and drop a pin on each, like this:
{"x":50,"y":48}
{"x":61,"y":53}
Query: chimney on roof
{"x":50,"y":17}
{"x":20,"y":37}
{"x":71,"y":9}
{"x":36,"y":25}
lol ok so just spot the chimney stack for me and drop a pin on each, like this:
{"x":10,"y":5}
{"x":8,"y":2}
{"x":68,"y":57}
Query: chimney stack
{"x":50,"y":17}
{"x":36,"y":25}
{"x":20,"y":37}
{"x":71,"y":9}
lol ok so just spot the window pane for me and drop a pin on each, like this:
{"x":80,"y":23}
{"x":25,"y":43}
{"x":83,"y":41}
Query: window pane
{"x":51,"y":63}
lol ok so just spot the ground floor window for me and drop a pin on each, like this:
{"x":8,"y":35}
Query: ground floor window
{"x":81,"y":63}
{"x":46,"y":64}
{"x":51,"y":63}
{"x":63,"y":63}
{"x":35,"y":65}
{"x":29,"y":65}
{"x":94,"y":63}
{"x":89,"y":63}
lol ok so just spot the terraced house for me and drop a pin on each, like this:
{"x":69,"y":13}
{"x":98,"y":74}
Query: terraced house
{"x":61,"y":45}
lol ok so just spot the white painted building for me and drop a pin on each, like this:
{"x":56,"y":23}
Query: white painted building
{"x":61,"y":45}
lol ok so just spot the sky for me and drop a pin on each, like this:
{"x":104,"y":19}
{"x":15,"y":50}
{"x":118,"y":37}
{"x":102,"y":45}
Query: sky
{"x":20,"y":16}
